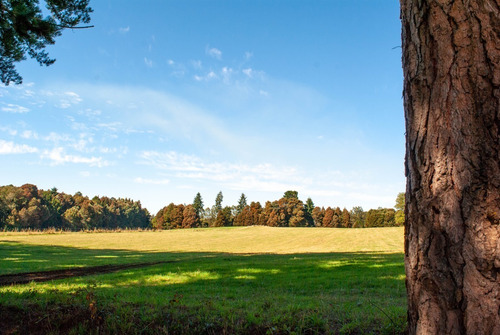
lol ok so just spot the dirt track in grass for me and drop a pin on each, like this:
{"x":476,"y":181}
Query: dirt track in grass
{"x":41,"y":276}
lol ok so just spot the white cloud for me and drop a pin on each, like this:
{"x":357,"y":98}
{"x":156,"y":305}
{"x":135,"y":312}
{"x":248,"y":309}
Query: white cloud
{"x":140,"y":180}
{"x":69,"y":99}
{"x":260,"y":177}
{"x":227,"y":73}
{"x":248,"y":72}
{"x":90,"y":113}
{"x":160,"y":112}
{"x":8,"y":130}
{"x":7,"y":148}
{"x":148,"y":62}
{"x":214,"y":53}
{"x":209,"y":76}
{"x":56,"y":138}
{"x":330,"y":188}
{"x":16,"y":109}
{"x":124,"y":30}
{"x":58,"y":157}
{"x":28,"y":134}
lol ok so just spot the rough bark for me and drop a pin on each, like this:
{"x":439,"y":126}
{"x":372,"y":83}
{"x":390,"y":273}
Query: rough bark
{"x":451,"y":63}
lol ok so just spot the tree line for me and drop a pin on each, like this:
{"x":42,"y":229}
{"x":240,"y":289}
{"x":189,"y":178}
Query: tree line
{"x":289,"y":211}
{"x":27,"y":207}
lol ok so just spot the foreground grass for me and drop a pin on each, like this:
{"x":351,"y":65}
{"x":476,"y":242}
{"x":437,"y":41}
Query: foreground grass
{"x":239,"y":280}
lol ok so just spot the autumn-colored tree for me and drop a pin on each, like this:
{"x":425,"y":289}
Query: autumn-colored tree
{"x":328,"y":217}
{"x":346,"y":218}
{"x":295,"y":212}
{"x":169,"y":217}
{"x":191,"y":219}
{"x":318,"y":215}
{"x":274,"y":216}
{"x":250,"y":215}
{"x":224,"y":218}
{"x":337,"y":218}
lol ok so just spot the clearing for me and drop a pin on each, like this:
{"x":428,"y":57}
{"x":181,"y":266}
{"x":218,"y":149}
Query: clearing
{"x":220,"y":280}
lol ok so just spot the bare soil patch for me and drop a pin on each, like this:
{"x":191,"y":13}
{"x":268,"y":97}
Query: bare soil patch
{"x":41,"y":276}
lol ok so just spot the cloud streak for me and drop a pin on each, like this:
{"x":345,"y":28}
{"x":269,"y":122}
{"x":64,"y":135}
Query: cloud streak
{"x":57,"y":156}
{"x":8,"y":148}
{"x":16,"y":109}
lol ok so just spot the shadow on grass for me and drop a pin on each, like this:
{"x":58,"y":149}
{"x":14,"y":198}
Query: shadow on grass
{"x":214,"y":292}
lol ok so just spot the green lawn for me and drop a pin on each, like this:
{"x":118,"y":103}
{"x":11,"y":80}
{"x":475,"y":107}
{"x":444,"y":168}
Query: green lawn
{"x":223,"y":280}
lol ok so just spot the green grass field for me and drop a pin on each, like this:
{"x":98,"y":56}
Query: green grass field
{"x":248,"y":280}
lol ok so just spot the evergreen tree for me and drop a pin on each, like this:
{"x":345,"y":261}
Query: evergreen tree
{"x":24,"y":31}
{"x":198,"y":204}
{"x":242,"y":203}
{"x":309,"y":207}
{"x":218,"y":203}
{"x":291,"y":195}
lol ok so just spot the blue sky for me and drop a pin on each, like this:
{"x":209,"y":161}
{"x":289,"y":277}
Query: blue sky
{"x":164,"y":99}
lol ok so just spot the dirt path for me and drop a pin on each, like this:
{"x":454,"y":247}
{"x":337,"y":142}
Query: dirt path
{"x":41,"y":276}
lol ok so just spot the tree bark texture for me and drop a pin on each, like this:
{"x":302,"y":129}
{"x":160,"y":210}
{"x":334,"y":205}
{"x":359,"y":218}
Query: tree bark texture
{"x":451,"y":64}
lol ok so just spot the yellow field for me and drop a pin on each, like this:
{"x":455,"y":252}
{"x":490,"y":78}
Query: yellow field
{"x":255,"y":239}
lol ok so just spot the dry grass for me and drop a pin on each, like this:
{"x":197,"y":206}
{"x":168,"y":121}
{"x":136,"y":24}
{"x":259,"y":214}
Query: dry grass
{"x":254,"y":240}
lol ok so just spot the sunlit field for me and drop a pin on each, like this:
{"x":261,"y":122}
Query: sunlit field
{"x":248,"y":280}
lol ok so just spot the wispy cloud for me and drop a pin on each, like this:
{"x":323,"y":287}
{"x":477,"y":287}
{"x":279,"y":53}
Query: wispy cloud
{"x":7,"y":148}
{"x":209,"y":76}
{"x":196,"y":64}
{"x":260,"y":177}
{"x":140,"y":180}
{"x":248,"y":72}
{"x":12,"y":108}
{"x":145,"y":110}
{"x":69,"y":99}
{"x":9,"y":130}
{"x":29,"y":134}
{"x":332,"y":187}
{"x":214,"y":53}
{"x":124,"y":30}
{"x":57,"y":156}
{"x":148,"y":62}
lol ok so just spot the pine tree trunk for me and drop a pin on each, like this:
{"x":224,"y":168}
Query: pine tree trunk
{"x":451,"y":62}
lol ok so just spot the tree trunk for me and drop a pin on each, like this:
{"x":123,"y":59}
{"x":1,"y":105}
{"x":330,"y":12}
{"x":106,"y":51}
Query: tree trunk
{"x":451,"y":63}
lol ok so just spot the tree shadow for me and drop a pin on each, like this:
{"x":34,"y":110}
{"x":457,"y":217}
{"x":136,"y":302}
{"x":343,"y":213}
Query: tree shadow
{"x":357,"y":289}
